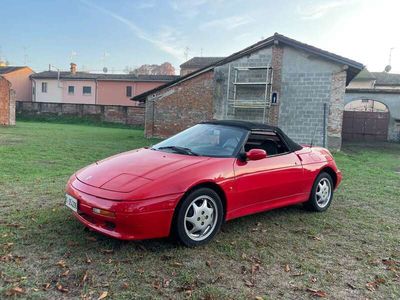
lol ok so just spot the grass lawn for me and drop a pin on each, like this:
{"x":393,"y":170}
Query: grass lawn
{"x":351,"y":251}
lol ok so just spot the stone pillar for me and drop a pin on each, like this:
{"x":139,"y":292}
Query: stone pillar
{"x":149,"y":115}
{"x":277,"y":56}
{"x":7,"y":103}
{"x":336,"y":107}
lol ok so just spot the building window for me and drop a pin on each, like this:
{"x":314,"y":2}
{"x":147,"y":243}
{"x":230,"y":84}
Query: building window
{"x":129,"y":91}
{"x":71,"y":89}
{"x":44,"y":87}
{"x":274,"y":98}
{"x":87,"y":90}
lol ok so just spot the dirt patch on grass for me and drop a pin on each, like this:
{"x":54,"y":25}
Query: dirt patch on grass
{"x":9,"y":140}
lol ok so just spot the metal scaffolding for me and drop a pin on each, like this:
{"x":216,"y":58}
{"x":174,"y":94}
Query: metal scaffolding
{"x":263,"y":102}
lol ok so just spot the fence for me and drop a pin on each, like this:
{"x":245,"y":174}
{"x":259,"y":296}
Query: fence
{"x":130,"y":115}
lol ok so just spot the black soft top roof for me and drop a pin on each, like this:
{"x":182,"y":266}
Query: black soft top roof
{"x":253,"y":126}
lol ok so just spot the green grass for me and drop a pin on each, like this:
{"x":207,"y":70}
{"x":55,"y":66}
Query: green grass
{"x":356,"y":242}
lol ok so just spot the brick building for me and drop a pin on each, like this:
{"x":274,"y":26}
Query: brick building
{"x":18,"y":76}
{"x":280,"y":81}
{"x":197,"y":63}
{"x":7,"y":103}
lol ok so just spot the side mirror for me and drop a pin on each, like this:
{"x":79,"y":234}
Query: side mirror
{"x":256,"y":154}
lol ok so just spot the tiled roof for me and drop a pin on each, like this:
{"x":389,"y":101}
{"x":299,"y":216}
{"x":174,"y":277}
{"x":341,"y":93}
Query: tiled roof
{"x":383,"y":78}
{"x":354,"y":67}
{"x":364,"y":75}
{"x":132,"y":77}
{"x":200,"y":62}
{"x":92,"y":76}
{"x":9,"y":69}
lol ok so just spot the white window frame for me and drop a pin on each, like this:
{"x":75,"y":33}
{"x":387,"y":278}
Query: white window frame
{"x":83,"y":90}
{"x":44,"y":87}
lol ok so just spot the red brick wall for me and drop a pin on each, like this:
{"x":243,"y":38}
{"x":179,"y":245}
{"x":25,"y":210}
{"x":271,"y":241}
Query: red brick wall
{"x":130,"y":115}
{"x":181,"y":106}
{"x":277,"y":56}
{"x":7,"y":103}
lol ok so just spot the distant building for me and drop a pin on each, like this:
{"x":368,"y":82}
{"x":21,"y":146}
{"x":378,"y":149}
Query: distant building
{"x":19,"y":79}
{"x":197,"y":63}
{"x":372,"y":107}
{"x":89,"y":88}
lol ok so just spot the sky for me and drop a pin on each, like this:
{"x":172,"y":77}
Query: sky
{"x":128,"y":33}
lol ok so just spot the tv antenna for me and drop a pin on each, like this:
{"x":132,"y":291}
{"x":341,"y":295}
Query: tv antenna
{"x":389,"y":66}
{"x":186,"y":53}
{"x":103,"y":58}
{"x":73,"y":55}
{"x":26,"y":57}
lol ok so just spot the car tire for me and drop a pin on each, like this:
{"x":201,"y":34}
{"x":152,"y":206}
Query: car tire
{"x":198,"y":217}
{"x":321,"y":193}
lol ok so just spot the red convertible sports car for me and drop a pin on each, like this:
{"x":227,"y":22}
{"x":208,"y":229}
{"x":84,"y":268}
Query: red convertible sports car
{"x":189,"y":184}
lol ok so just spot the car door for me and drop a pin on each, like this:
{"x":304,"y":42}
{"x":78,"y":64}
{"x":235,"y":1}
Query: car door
{"x":274,"y":178}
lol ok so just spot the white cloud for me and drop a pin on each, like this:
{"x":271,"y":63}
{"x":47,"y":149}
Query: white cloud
{"x":166,"y":43}
{"x":228,"y":23}
{"x":146,"y":5}
{"x":317,"y":10}
{"x":192,"y":8}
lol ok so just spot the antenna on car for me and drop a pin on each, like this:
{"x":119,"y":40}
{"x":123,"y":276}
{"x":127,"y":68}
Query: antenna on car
{"x":312,"y":139}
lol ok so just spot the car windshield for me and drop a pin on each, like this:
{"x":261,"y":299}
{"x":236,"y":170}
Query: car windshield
{"x":205,"y":140}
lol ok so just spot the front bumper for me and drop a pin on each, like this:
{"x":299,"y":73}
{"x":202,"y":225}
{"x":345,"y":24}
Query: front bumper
{"x":134,"y":220}
{"x":339,"y":178}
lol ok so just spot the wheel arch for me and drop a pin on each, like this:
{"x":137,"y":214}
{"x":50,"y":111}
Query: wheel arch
{"x":331,"y":172}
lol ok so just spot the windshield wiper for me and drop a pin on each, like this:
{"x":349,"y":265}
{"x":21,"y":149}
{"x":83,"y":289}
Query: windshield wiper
{"x":181,"y":150}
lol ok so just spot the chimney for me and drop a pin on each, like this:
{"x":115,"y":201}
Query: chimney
{"x":73,"y":68}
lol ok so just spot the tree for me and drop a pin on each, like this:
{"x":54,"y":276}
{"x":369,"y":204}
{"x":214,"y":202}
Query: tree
{"x":163,"y":69}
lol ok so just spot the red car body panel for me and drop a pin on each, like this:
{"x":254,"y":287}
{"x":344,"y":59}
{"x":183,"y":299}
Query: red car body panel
{"x":143,"y":187}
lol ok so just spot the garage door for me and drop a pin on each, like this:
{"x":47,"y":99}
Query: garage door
{"x":365,"y":126}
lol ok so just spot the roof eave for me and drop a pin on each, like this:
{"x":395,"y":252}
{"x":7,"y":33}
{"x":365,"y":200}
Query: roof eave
{"x":353,"y":67}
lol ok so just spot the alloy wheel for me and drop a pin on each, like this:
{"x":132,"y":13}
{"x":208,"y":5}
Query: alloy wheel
{"x":323,"y":192}
{"x":201,"y":218}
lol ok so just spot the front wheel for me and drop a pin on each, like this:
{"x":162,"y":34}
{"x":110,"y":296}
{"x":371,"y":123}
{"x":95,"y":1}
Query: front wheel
{"x":321,"y":193}
{"x":199,"y":217}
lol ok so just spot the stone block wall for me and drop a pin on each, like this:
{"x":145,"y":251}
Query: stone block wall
{"x":302,"y":106}
{"x":312,"y":99}
{"x":129,"y":115}
{"x":7,"y":103}
{"x":223,"y":104}
{"x":180,"y":106}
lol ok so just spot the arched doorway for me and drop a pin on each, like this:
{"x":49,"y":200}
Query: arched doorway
{"x":365,"y":120}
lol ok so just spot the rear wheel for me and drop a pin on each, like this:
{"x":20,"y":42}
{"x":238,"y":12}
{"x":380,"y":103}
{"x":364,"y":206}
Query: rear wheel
{"x":321,"y":193}
{"x":199,"y":217}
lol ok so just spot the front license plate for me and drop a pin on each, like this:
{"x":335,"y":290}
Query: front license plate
{"x":71,"y":202}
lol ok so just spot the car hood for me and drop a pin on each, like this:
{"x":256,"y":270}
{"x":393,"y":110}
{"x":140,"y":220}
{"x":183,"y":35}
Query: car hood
{"x":128,"y":171}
